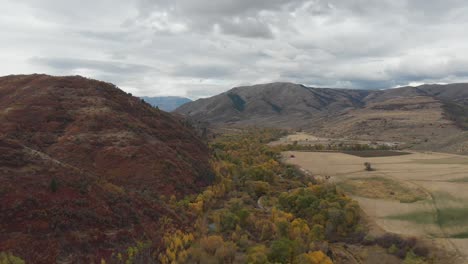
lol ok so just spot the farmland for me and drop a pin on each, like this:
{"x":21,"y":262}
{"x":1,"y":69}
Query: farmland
{"x":418,"y":194}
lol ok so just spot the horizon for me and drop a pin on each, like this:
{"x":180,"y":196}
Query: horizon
{"x":414,"y":85}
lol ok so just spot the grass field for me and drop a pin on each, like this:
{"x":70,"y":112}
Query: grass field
{"x":382,"y":188}
{"x":417,"y":194}
{"x":375,"y":153}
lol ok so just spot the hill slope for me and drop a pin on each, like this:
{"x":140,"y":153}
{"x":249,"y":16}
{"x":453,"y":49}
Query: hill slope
{"x":82,"y":162}
{"x":166,"y":103}
{"x":420,"y":115}
{"x":283,"y":104}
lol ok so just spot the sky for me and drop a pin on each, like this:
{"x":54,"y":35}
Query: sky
{"x":199,"y":48}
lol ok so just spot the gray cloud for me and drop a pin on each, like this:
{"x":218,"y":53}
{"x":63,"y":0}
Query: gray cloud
{"x":248,"y":27}
{"x":204,"y":71}
{"x":70,"y":64}
{"x":198,"y":48}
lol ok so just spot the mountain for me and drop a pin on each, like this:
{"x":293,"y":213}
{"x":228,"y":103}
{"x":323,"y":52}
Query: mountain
{"x":166,"y":103}
{"x":85,"y":167}
{"x":430,"y":116}
{"x":282,"y":104}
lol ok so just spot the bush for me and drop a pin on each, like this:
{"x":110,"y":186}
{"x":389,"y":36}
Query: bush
{"x":282,"y":251}
{"x":257,"y":255}
{"x":368,"y":240}
{"x":229,"y":221}
{"x":421,"y":251}
{"x":211,"y":244}
{"x":368,"y":166}
{"x":393,"y":249}
{"x":412,"y":258}
{"x":8,"y":258}
{"x":54,"y":185}
{"x":317,"y":257}
{"x":397,"y":245}
{"x":258,"y":188}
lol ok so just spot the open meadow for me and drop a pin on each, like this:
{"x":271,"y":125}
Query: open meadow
{"x":424,"y":195}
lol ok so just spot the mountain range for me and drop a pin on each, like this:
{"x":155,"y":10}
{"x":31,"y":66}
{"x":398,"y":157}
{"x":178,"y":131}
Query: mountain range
{"x":432,"y":117}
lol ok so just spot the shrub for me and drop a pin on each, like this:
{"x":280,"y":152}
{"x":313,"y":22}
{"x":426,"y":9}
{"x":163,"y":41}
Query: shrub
{"x":393,"y":249}
{"x":368,"y":166}
{"x":226,"y":252}
{"x":54,"y":185}
{"x":282,"y":251}
{"x":229,"y":221}
{"x":257,"y":255}
{"x":8,"y":258}
{"x":412,"y":258}
{"x":421,"y":251}
{"x":316,"y":257}
{"x":368,"y":240}
{"x":211,"y":244}
{"x":258,"y":188}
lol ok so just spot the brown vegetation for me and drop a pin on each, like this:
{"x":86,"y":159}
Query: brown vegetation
{"x":86,"y":170}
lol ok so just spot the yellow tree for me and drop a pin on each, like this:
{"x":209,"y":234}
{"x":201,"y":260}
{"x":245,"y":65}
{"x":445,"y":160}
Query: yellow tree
{"x":176,"y":245}
{"x":299,"y":230}
{"x":257,"y":255}
{"x":316,"y":257}
{"x":211,"y":243}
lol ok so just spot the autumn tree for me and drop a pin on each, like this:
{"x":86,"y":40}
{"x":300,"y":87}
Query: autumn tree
{"x":282,"y":251}
{"x":257,"y":255}
{"x":176,"y":244}
{"x":8,"y":258}
{"x":316,"y":257}
{"x":299,"y":231}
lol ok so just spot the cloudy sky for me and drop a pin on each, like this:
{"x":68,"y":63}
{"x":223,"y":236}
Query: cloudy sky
{"x":198,"y":48}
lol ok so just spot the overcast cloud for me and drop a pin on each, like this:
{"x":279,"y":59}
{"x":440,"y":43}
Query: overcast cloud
{"x":198,"y":48}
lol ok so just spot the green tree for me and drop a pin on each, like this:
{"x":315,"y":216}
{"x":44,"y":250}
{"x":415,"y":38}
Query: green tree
{"x":229,"y":221}
{"x":412,"y":258}
{"x":257,"y":255}
{"x":282,"y":251}
{"x":317,"y":233}
{"x":368,"y":166}
{"x":54,"y":185}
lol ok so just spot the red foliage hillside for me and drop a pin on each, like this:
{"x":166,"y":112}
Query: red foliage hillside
{"x":111,"y":156}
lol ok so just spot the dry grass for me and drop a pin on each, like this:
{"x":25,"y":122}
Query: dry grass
{"x":382,"y":188}
{"x":429,"y":192}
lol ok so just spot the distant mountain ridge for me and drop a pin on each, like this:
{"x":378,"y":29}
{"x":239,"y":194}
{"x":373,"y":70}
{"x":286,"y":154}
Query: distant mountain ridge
{"x":427,"y":113}
{"x":166,"y":103}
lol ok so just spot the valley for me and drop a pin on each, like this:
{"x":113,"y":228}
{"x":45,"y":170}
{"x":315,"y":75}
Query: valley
{"x":261,"y":210}
{"x":91,"y":174}
{"x":426,"y":117}
{"x":234,"y":132}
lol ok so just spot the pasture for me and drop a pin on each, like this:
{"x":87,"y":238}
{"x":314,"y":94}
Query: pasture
{"x":417,"y":194}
